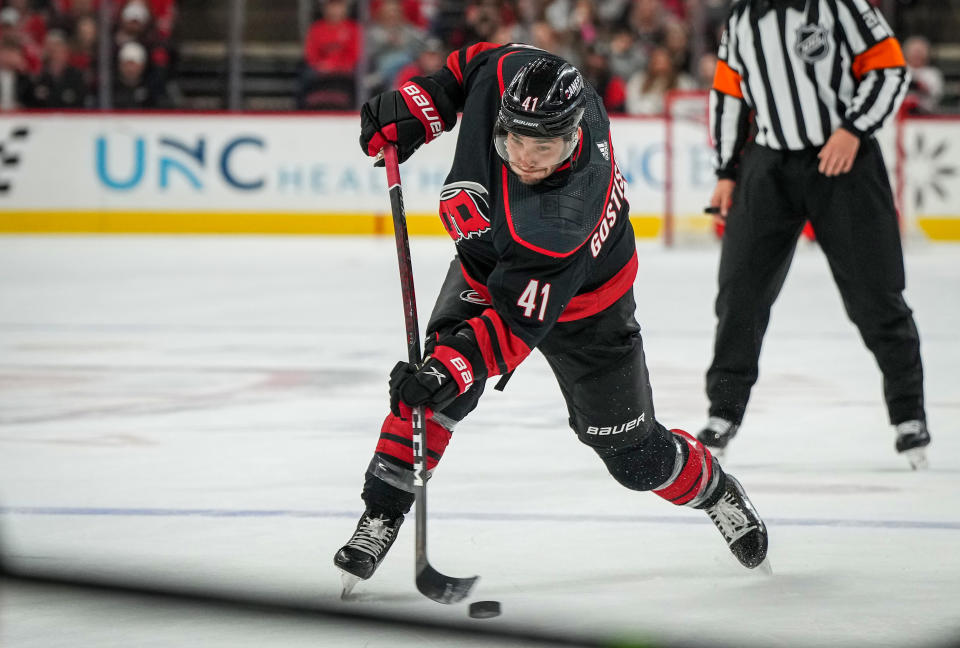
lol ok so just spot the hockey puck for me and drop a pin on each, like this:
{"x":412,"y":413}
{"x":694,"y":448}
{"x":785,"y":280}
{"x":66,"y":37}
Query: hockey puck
{"x":484,"y":609}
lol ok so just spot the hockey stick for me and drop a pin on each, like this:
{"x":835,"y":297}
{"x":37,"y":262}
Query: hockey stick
{"x":430,"y":582}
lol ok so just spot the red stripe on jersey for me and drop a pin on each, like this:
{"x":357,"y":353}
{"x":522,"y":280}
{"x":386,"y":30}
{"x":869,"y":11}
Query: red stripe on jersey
{"x":486,"y":346}
{"x":593,"y":302}
{"x":500,"y":70}
{"x":513,"y":349}
{"x":437,"y":439}
{"x":693,"y":477}
{"x":584,"y":304}
{"x":453,"y":59}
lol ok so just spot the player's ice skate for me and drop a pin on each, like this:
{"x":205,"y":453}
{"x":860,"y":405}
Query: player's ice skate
{"x":912,"y":441}
{"x":365,"y":550}
{"x":741,"y":526}
{"x":717,"y":434}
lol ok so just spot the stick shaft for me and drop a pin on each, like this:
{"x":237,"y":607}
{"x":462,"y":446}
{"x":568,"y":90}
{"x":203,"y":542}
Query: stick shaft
{"x":413,"y":345}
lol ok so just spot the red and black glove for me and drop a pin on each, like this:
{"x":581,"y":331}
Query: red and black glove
{"x":444,"y":375}
{"x":413,"y":115}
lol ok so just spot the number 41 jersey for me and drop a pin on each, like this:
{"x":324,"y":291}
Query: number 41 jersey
{"x":540,"y":254}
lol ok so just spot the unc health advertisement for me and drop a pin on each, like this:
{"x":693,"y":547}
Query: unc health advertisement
{"x":305,"y":173}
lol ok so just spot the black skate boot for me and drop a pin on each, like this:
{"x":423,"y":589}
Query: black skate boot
{"x":365,"y":550}
{"x":717,"y":434}
{"x":912,"y":441}
{"x":740,"y":524}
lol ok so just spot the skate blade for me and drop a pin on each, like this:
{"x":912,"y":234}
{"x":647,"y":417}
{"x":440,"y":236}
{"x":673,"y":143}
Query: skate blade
{"x":917,"y":458}
{"x":349,"y":582}
{"x":765,"y":568}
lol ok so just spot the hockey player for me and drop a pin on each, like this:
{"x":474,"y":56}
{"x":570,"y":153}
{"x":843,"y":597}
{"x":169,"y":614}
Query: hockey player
{"x":546,"y":259}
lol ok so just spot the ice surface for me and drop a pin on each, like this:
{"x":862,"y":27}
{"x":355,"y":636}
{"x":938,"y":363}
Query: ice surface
{"x":199,"y":411}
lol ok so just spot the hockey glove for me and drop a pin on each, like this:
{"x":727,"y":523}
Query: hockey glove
{"x":413,"y":115}
{"x":444,"y":375}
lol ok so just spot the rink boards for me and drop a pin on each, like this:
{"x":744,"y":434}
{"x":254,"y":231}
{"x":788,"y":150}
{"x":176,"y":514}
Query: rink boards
{"x":301,"y":173}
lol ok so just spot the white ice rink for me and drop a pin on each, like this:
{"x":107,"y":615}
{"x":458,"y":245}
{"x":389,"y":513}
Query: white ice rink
{"x":199,"y":411}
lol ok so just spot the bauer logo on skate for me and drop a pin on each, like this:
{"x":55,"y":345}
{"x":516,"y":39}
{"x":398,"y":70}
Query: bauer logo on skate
{"x":610,"y":213}
{"x":615,"y":429}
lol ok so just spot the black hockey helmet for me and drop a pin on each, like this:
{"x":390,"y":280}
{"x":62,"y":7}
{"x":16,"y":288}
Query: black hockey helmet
{"x":545,"y":99}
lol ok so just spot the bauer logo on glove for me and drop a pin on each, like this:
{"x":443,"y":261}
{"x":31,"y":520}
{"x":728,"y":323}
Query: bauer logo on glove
{"x":407,"y":118}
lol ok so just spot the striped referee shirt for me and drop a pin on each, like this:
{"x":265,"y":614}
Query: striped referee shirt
{"x":806,"y":68}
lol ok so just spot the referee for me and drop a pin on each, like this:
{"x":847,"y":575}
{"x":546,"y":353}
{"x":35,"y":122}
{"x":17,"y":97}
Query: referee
{"x":820,"y":77}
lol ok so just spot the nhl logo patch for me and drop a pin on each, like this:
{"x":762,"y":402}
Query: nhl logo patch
{"x":813,"y":43}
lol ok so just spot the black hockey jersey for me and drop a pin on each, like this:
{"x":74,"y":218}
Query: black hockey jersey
{"x":560,"y":250}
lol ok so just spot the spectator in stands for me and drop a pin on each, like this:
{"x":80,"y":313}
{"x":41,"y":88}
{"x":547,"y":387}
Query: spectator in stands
{"x":647,"y":88}
{"x":584,"y":24}
{"x":59,"y":85}
{"x":625,"y":56}
{"x":542,"y":35}
{"x":596,"y":71}
{"x":85,"y":45}
{"x":429,"y":60}
{"x":133,"y":24}
{"x":136,"y":25}
{"x":33,"y":23}
{"x":133,"y":88}
{"x":926,"y":83}
{"x":482,"y":20}
{"x":14,"y":84}
{"x":610,"y":12}
{"x":13,"y":24}
{"x":392,"y":42}
{"x":331,"y":54}
{"x":706,"y":69}
{"x":528,"y":13}
{"x":647,"y":20}
{"x":164,"y":14}
{"x":676,"y":40}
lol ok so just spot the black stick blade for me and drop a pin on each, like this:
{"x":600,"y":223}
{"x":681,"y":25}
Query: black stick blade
{"x":444,"y":589}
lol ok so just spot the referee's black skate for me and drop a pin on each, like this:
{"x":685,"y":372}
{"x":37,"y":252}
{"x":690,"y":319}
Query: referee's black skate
{"x":717,"y":434}
{"x":365,"y":550}
{"x":912,"y":441}
{"x":740,"y":524}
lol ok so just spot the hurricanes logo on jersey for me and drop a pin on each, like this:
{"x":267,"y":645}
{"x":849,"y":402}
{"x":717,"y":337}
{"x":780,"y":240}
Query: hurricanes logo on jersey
{"x":463,"y":209}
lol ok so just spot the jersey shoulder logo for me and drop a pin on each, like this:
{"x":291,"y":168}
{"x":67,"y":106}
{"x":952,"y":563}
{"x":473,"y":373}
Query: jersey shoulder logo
{"x":464,"y":209}
{"x":604,"y":150}
{"x":813,"y":43}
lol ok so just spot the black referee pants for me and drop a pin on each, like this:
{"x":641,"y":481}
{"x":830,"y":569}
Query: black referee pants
{"x":855,"y":222}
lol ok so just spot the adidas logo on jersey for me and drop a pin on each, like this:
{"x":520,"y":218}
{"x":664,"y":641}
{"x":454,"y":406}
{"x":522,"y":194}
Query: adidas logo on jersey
{"x":604,"y":150}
